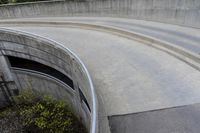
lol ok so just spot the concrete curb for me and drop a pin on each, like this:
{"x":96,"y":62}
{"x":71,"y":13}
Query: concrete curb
{"x":187,"y":56}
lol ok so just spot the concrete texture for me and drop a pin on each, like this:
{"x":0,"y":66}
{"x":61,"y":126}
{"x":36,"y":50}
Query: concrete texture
{"x":58,"y":57}
{"x":132,"y":63}
{"x":129,"y":77}
{"x":44,"y":84}
{"x":184,"y":119}
{"x":7,"y":77}
{"x":185,"y":37}
{"x":181,"y":12}
{"x":170,"y":38}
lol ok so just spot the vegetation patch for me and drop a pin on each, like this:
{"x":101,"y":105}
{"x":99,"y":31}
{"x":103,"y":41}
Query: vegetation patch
{"x":34,"y":113}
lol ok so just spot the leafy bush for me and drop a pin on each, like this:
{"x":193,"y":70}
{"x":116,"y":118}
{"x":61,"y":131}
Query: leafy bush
{"x":43,"y":114}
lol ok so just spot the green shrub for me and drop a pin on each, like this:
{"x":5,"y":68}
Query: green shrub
{"x":43,"y":114}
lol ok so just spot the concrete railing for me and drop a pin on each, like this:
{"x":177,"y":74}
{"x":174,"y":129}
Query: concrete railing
{"x":57,"y":56}
{"x":181,"y":12}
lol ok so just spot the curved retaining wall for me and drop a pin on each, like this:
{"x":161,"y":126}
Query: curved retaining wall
{"x":56,"y":56}
{"x":181,"y":12}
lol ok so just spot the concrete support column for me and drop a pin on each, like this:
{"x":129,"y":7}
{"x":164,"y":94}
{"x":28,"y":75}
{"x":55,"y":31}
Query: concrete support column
{"x":4,"y":68}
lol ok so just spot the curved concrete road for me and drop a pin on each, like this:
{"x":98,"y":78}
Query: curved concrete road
{"x":129,"y":77}
{"x":184,"y":37}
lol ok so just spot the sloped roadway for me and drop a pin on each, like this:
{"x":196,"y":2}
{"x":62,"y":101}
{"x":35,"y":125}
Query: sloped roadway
{"x":140,"y":89}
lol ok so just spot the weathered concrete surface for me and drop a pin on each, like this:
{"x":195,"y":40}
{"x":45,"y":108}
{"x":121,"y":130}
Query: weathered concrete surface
{"x":184,"y":119}
{"x":44,"y":84}
{"x":129,"y":76}
{"x":181,"y":12}
{"x":56,"y":56}
{"x":5,"y":75}
{"x":184,"y":37}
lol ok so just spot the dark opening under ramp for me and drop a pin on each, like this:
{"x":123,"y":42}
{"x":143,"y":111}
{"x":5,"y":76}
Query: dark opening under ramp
{"x":17,"y":62}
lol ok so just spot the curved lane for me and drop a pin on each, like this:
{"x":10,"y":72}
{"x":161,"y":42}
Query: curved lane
{"x":185,"y":37}
{"x":129,"y":77}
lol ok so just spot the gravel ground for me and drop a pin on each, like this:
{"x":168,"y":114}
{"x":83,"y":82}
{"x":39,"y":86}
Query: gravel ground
{"x":11,"y":124}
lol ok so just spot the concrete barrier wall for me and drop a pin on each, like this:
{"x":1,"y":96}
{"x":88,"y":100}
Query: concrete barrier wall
{"x":181,"y":12}
{"x":54,"y":55}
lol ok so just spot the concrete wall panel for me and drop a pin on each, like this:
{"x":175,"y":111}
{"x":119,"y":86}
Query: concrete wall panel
{"x":181,"y":12}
